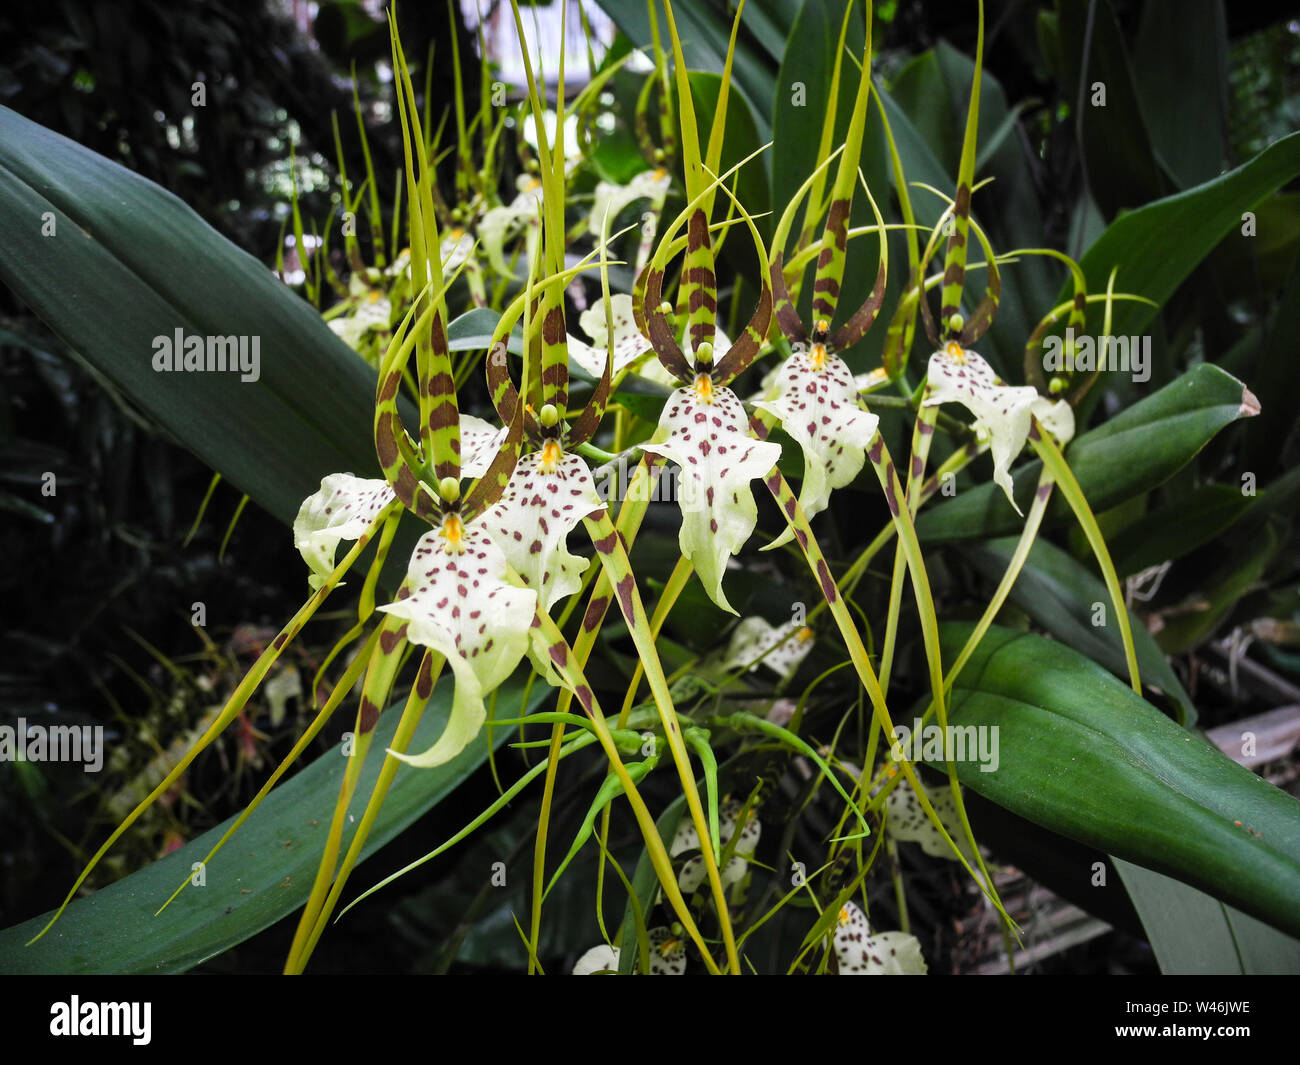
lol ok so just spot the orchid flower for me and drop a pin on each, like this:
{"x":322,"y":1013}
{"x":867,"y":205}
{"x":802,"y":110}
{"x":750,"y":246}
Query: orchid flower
{"x":817,"y":395}
{"x":687,"y":840}
{"x":907,"y":822}
{"x":862,"y":953}
{"x":667,"y":956}
{"x":1003,"y":413}
{"x":780,"y":648}
{"x":345,"y":506}
{"x":551,"y":489}
{"x":649,"y":185}
{"x":630,"y":345}
{"x":704,"y":428}
{"x":368,"y":308}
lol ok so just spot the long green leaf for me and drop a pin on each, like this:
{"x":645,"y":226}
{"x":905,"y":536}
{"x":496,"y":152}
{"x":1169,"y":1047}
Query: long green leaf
{"x":1082,"y":755}
{"x":264,"y":875}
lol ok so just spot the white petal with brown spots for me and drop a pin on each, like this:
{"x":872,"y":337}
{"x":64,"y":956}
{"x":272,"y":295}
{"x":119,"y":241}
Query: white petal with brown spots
{"x":532,"y":520}
{"x":780,"y":648}
{"x":462,"y":606}
{"x":1001,"y":411}
{"x":817,"y":404}
{"x":342,"y":510}
{"x":861,"y":953}
{"x":704,"y":430}
{"x":649,"y":185}
{"x":479,"y":444}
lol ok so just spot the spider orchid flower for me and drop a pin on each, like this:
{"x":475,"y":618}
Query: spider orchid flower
{"x":1003,"y":413}
{"x":667,"y":956}
{"x":551,"y":489}
{"x":687,"y":840}
{"x":345,"y":506}
{"x":862,"y":953}
{"x":704,"y":428}
{"x":367,"y":310}
{"x":780,"y":648}
{"x":906,"y":821}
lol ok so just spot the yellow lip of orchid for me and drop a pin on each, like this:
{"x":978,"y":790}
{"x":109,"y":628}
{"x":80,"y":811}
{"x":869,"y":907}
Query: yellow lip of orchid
{"x":955,"y":351}
{"x":552,"y":455}
{"x":817,"y":356}
{"x":704,"y":388}
{"x":452,"y":531}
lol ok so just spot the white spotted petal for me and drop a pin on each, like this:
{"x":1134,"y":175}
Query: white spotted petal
{"x":694,"y":871}
{"x":906,"y":821}
{"x":630,"y":345}
{"x":862,"y":953}
{"x":817,"y":404}
{"x":1001,"y":411}
{"x":705,"y":431}
{"x":461,"y":605}
{"x":548,"y":495}
{"x":599,"y":959}
{"x":667,"y":953}
{"x":479,"y":444}
{"x":342,"y":509}
{"x":781,"y":648}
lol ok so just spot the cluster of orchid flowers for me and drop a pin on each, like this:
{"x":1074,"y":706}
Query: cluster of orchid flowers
{"x":498,"y":502}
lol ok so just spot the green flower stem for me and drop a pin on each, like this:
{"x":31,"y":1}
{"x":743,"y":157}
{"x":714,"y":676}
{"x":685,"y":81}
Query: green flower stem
{"x":786,"y":499}
{"x":430,"y":668}
{"x":613,"y":556}
{"x":566,"y":664}
{"x":381,"y":670}
{"x":340,"y":691}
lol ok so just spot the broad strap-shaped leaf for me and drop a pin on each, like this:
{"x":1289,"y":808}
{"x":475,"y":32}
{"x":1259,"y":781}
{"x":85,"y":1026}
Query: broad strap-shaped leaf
{"x":817,"y":403}
{"x":1004,"y":412}
{"x":461,"y":605}
{"x":706,"y":432}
